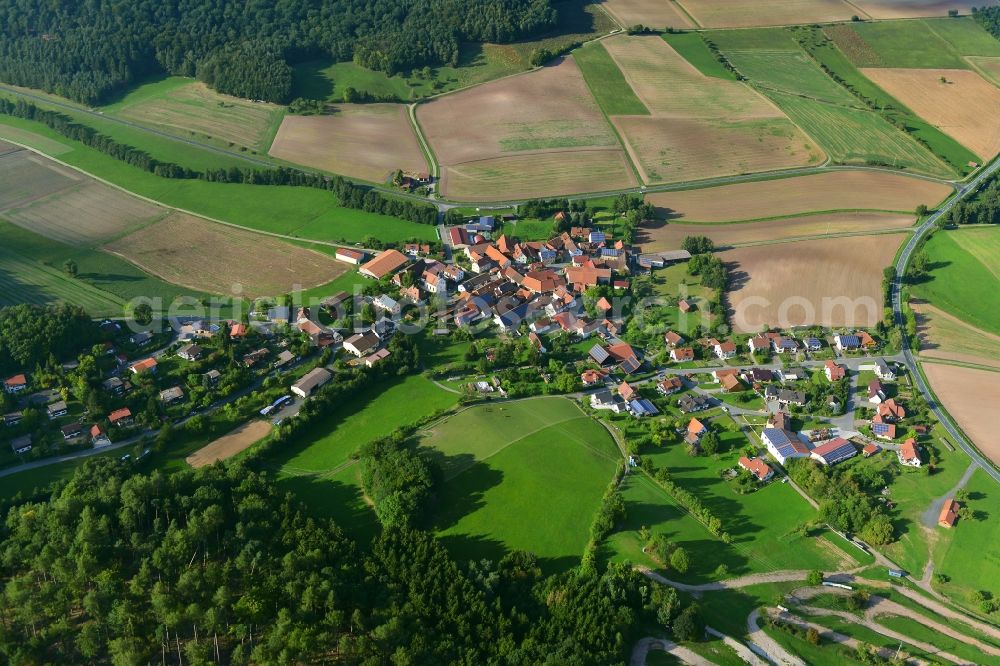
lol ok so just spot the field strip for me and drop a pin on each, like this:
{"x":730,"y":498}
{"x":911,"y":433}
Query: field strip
{"x":425,"y":145}
{"x":691,"y":18}
{"x":796,"y":239}
{"x":789,"y":216}
{"x":956,"y":363}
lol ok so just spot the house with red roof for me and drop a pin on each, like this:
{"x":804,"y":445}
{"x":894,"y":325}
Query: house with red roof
{"x":681,"y":354}
{"x":626,"y":392}
{"x":670,"y":385}
{"x":908,"y":454}
{"x":120,"y":417}
{"x":834,"y":371}
{"x":949,"y":513}
{"x":15,"y":384}
{"x":760,"y":469}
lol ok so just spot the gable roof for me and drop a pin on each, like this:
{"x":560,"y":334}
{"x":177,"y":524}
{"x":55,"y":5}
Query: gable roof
{"x":384,"y":264}
{"x":834,"y":451}
{"x":626,"y":391}
{"x":755,"y":466}
{"x":908,"y":450}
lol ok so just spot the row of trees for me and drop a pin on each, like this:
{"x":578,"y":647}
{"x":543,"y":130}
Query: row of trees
{"x":91,"y":51}
{"x":350,"y":195}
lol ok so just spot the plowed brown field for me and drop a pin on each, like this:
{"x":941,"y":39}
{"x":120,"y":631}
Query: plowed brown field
{"x":745,"y":14}
{"x":971,"y":397}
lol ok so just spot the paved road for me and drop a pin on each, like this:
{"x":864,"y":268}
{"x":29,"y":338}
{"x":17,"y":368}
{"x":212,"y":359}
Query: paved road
{"x":897,"y":309}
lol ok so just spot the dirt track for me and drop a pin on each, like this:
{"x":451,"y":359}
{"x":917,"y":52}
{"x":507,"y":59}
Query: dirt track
{"x":230,"y":444}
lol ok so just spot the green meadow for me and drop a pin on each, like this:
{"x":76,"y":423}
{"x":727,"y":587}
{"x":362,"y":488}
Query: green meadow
{"x":606,"y":81}
{"x":692,"y":47}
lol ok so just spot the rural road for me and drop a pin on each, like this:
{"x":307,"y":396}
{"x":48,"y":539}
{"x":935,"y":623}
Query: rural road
{"x":769,"y":647}
{"x":897,"y":309}
{"x":683,"y":654}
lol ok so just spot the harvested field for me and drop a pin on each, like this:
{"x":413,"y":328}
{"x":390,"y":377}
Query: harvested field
{"x":831,"y":282}
{"x":195,"y":109}
{"x":829,"y":191}
{"x":539,"y":175}
{"x":743,"y":14}
{"x":544,"y":111}
{"x":970,"y":396}
{"x":671,"y":236}
{"x":948,"y":338}
{"x":988,"y":67}
{"x":229,"y":445}
{"x":26,"y":177}
{"x":89,"y":214}
{"x":367,"y":141}
{"x":216,"y":258}
{"x":964,"y":108}
{"x":890,"y":9}
{"x":700,"y":126}
{"x":655,"y":13}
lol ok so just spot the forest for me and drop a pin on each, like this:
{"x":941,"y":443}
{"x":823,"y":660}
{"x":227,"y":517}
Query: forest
{"x":32,"y":334}
{"x":216,"y":566}
{"x":240,"y":48}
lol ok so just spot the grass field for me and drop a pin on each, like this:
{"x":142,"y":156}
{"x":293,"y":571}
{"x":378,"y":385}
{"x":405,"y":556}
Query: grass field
{"x":302,"y":212}
{"x":366,"y":141}
{"x":832,"y":282}
{"x":889,"y":9}
{"x":612,"y":92}
{"x":962,"y":262}
{"x":959,"y":103}
{"x":191,"y":109}
{"x":530,"y":480}
{"x":966,"y":36}
{"x":920,"y":632}
{"x":945,"y":337}
{"x":830,"y":191}
{"x":911,"y":44}
{"x":693,"y":48}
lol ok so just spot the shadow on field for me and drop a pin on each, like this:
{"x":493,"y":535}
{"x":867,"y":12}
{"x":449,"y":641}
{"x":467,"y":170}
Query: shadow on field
{"x":339,"y":501}
{"x":463,"y":495}
{"x":929,"y":275}
{"x":310,"y":82}
{"x":14,"y":291}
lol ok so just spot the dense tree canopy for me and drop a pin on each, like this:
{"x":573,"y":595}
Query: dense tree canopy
{"x":30,"y":334}
{"x":88,"y":51}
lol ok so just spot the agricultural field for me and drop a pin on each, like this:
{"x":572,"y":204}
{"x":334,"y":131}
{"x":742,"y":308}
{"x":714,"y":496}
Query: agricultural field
{"x":961,"y":262}
{"x":548,"y":114}
{"x":693,"y":48}
{"x":190,"y":108}
{"x":612,"y":92}
{"x":958,"y":102}
{"x":530,"y":480}
{"x":741,"y":14}
{"x":945,"y":337}
{"x":701,"y":126}
{"x":231,"y":444}
{"x":366,"y":141}
{"x":831,"y":282}
{"x":670,"y":236}
{"x":970,"y":395}
{"x":654,"y":13}
{"x":226,"y":260}
{"x":988,"y":67}
{"x":27,"y":177}
{"x":930,"y":44}
{"x":890,"y":9}
{"x":828,"y":191}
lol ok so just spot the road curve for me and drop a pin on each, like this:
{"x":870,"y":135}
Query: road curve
{"x":964,"y":190}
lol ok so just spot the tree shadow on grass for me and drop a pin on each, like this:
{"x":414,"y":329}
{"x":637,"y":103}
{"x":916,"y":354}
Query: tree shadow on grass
{"x":341,"y":502}
{"x":464,"y":494}
{"x":309,"y":81}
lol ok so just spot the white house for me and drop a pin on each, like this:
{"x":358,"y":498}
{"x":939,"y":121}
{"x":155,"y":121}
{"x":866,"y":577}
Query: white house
{"x":784,"y":444}
{"x":386,"y":303}
{"x":883,"y":371}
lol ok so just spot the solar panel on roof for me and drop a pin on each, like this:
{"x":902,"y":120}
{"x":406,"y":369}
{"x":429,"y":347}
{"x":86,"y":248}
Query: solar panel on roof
{"x":880,"y":428}
{"x":599,"y":353}
{"x":630,"y":365}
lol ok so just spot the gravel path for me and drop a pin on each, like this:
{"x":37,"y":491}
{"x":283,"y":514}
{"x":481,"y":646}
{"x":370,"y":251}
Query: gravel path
{"x":644,"y":645}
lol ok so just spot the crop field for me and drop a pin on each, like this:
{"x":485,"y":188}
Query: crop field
{"x":693,"y":48}
{"x":970,"y":395}
{"x":700,"y":126}
{"x":229,"y":445}
{"x":890,"y":9}
{"x":966,"y":36}
{"x":963,"y":107}
{"x":671,"y":236}
{"x":897,"y":44}
{"x":828,"y":191}
{"x":612,"y":92}
{"x":961,"y":262}
{"x":851,"y":135}
{"x":185,"y":108}
{"x":539,"y":175}
{"x":538,"y":113}
{"x":26,"y":177}
{"x":530,"y":480}
{"x":988,"y":67}
{"x":791,"y":72}
{"x":947,"y":338}
{"x":367,"y":141}
{"x":653,"y":13}
{"x":218,"y":259}
{"x":831,"y":282}
{"x":742,"y":14}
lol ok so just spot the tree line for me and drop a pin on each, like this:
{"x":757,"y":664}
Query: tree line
{"x":92,"y":51}
{"x":349,"y":194}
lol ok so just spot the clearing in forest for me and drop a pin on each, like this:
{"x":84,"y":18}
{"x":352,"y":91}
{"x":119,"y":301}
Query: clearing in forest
{"x":960,"y":103}
{"x":366,"y":141}
{"x":743,"y":14}
{"x":229,"y":445}
{"x":840,"y":190}
{"x":834,"y":282}
{"x":219,"y":259}
{"x":700,"y":127}
{"x":196,"y":109}
{"x":541,"y":113}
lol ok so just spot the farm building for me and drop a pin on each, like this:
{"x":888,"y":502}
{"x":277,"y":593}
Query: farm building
{"x":949,"y":513}
{"x":379,"y":355}
{"x":784,"y":444}
{"x":15,"y":384}
{"x":384,"y":264}
{"x":311,"y":381}
{"x":760,"y":469}
{"x":870,"y":450}
{"x":347,"y":255}
{"x":834,"y":451}
{"x":361,"y":344}
{"x":908,"y":454}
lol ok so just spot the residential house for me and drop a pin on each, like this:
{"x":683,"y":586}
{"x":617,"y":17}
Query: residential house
{"x":12,"y":419}
{"x":682,"y":354}
{"x":890,"y":411}
{"x":603,"y":399}
{"x":15,"y":384}
{"x":758,"y":375}
{"x":847,"y":342}
{"x":255,"y":357}
{"x":784,"y":396}
{"x":120,"y":417}
{"x":760,"y":469}
{"x":21,"y":445}
{"x":543,"y":326}
{"x":361,"y":344}
{"x":784,"y":444}
{"x":386,"y":263}
{"x":695,"y":431}
{"x":212,"y":377}
{"x":72,"y":431}
{"x":672,"y":339}
{"x":949,"y":513}
{"x":536,"y":342}
{"x":190,"y":352}
{"x":793,"y":374}
{"x":686,"y":305}
{"x":866,"y":340}
{"x":834,"y":451}
{"x":780,"y":420}
{"x":626,"y":392}
{"x":834,"y":371}
{"x":693,"y":402}
{"x":725,"y":350}
{"x":416,"y":250}
{"x":876,"y":392}
{"x":883,"y":371}
{"x":237,"y":331}
{"x":670,"y":385}
{"x":386,"y":304}
{"x":870,"y":450}
{"x":377,"y":356}
{"x":284,"y":358}
{"x":98,"y":437}
{"x":591,"y":377}
{"x":584,"y":277}
{"x":143,"y":366}
{"x":884,"y":430}
{"x":311,"y":381}
{"x":642,"y":407}
{"x":171,"y":395}
{"x":759,"y":343}
{"x":113,"y":385}
{"x":731,"y":383}
{"x":813,"y":344}
{"x":908,"y":453}
{"x":347,"y":255}
{"x":57,"y":409}
{"x":141,"y":339}
{"x":784,"y":345}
